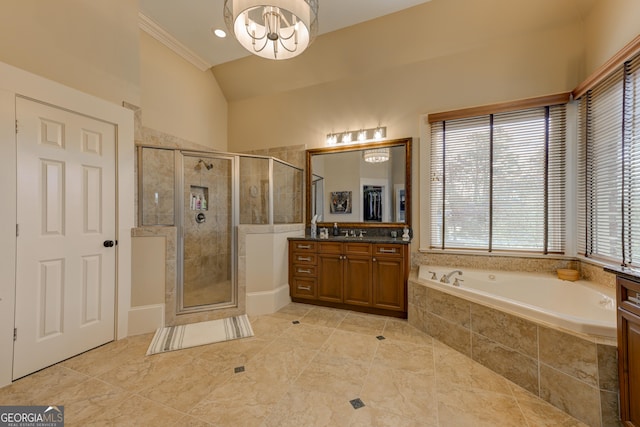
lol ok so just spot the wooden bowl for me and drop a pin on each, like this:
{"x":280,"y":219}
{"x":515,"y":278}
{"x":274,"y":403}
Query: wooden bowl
{"x":568,"y":274}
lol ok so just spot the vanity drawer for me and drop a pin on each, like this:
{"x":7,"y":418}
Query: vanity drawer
{"x":305,"y":258}
{"x":330,"y":247}
{"x":388,"y":250}
{"x":303,"y":246}
{"x":304,"y":270}
{"x":629,"y":295}
{"x":304,"y":287}
{"x":357,"y":248}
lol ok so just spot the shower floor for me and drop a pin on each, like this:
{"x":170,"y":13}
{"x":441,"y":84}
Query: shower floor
{"x":207,"y":293}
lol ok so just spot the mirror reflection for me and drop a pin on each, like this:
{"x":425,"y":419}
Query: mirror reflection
{"x":364,"y":184}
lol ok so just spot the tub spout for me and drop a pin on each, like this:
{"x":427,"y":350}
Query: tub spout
{"x":445,"y":277}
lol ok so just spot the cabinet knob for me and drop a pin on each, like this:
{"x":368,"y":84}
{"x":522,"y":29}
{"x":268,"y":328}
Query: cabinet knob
{"x":374,"y":259}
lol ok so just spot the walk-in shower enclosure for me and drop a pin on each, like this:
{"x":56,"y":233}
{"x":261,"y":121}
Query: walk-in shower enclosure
{"x":206,"y":195}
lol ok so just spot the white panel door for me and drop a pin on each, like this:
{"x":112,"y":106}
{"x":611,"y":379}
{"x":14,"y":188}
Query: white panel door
{"x":66,"y":210}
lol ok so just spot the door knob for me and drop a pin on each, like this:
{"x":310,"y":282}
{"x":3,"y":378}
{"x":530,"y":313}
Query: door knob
{"x":108,"y":243}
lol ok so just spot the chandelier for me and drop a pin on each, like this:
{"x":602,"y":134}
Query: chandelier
{"x":281,"y":29}
{"x":376,"y":155}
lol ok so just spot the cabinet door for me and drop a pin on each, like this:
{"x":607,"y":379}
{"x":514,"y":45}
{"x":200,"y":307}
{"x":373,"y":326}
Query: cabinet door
{"x":629,"y":325}
{"x":388,"y":283}
{"x":330,"y":277}
{"x":357,"y":280}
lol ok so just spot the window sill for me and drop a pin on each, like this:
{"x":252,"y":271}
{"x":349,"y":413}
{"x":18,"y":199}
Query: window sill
{"x":496,"y":254}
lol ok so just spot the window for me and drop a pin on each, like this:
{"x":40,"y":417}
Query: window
{"x":497,"y":181}
{"x":609,"y":167}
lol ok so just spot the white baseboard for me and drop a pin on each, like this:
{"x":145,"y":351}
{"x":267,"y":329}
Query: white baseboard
{"x":267,"y":302}
{"x":145,"y":319}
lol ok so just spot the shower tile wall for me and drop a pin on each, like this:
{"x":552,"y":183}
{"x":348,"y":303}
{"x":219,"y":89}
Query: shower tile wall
{"x":293,"y":154}
{"x":158,"y":182}
{"x":287,"y":198}
{"x":254,"y":190}
{"x":287,"y":185}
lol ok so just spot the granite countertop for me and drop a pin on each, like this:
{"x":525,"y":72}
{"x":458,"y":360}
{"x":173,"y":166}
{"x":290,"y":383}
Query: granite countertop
{"x":627,"y":272}
{"x":365,"y":239}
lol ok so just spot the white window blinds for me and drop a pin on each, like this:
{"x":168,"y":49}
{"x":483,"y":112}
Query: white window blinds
{"x":497,"y":181}
{"x":609,"y":168}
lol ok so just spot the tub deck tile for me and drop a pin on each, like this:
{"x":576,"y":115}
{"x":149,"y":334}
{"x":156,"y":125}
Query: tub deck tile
{"x":453,"y":335}
{"x":511,"y":331}
{"x":514,"y":366}
{"x":570,"y":395}
{"x":455,"y":310}
{"x":567,"y":353}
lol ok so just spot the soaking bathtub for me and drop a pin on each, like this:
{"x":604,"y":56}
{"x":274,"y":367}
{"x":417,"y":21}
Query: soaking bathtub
{"x":576,"y":306}
{"x":554,"y":338}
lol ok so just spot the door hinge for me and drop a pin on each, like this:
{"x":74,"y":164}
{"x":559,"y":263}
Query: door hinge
{"x":17,"y":230}
{"x":15,"y":334}
{"x":16,"y":125}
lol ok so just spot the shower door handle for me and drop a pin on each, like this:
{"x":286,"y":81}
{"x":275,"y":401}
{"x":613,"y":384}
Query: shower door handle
{"x":108,"y":243}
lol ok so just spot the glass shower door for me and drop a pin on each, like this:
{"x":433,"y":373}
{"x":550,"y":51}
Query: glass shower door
{"x":205,"y":237}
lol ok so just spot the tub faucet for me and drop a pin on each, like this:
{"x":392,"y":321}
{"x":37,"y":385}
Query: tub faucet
{"x":445,"y":277}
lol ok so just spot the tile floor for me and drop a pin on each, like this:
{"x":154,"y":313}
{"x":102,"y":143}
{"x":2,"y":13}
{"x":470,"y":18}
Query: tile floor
{"x":310,"y":373}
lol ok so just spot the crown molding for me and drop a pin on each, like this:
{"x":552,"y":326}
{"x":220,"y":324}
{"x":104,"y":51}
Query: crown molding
{"x":154,"y":30}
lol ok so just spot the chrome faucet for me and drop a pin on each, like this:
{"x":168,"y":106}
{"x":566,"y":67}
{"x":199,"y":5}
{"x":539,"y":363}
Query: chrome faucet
{"x":445,"y":277}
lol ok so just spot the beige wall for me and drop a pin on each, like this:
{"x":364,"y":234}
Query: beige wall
{"x":441,"y":55}
{"x":97,"y":48}
{"x":87,"y":45}
{"x":179,"y":99}
{"x":608,"y":28}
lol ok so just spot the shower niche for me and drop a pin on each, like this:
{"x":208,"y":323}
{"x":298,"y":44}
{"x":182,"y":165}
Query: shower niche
{"x":198,"y":198}
{"x":205,"y":196}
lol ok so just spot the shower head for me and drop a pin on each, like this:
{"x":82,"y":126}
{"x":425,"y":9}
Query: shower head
{"x":206,"y":165}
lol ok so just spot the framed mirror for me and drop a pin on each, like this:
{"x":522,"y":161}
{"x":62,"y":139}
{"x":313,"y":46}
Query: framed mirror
{"x":364,"y":185}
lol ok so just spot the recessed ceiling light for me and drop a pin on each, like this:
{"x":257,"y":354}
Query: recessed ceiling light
{"x":220,"y":33}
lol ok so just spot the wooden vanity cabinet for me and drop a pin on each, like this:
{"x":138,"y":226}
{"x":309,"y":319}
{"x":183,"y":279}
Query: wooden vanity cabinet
{"x":362,"y":276}
{"x":628,"y":296}
{"x":303,"y":269}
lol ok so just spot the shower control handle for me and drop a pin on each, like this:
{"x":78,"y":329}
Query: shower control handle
{"x":108,"y":243}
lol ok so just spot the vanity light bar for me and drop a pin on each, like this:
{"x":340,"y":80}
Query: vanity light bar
{"x":352,"y":136}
